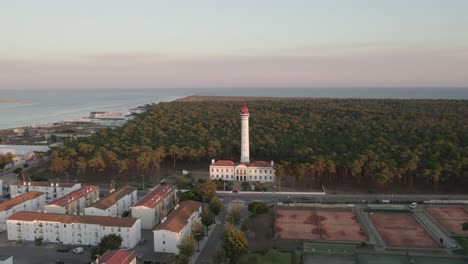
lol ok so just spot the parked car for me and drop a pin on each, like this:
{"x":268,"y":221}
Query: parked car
{"x":234,"y":191}
{"x":78,"y":250}
{"x":142,"y":242}
{"x":413,"y":205}
{"x":59,"y":261}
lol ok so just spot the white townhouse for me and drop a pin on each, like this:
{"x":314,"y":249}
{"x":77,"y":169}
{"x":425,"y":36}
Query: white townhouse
{"x":31,"y":201}
{"x":74,"y":202}
{"x":245,"y":170}
{"x":53,"y":190}
{"x":118,"y":256}
{"x":72,"y":229}
{"x":177,"y":225}
{"x":155,"y":205}
{"x":115,"y":204}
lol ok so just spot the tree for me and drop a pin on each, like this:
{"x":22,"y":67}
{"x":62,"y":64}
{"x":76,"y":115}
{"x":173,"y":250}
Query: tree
{"x":215,"y":205}
{"x":176,"y":259}
{"x":186,"y":246}
{"x":258,"y":208}
{"x":219,"y":256}
{"x":108,"y":242}
{"x":234,"y":243}
{"x":245,"y":186}
{"x":206,"y":190}
{"x":198,"y":232}
{"x":465,"y":226}
{"x":18,"y":170}
{"x":235,"y":214}
{"x":5,"y":160}
{"x":207,"y":217}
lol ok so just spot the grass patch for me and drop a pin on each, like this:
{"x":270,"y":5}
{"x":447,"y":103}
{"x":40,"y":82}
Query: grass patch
{"x":270,"y":257}
{"x":329,"y":248}
{"x":462,"y":241}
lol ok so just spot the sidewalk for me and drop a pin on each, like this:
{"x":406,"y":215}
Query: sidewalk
{"x":194,"y":258}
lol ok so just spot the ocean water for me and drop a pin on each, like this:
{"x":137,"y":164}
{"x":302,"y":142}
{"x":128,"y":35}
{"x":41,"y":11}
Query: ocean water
{"x":47,"y":106}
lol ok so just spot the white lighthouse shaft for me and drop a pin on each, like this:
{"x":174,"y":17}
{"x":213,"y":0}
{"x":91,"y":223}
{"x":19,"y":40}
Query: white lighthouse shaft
{"x":245,"y":156}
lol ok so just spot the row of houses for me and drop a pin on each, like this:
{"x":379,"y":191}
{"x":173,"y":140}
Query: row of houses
{"x":80,"y":218}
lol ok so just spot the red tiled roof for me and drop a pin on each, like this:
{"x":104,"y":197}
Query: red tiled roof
{"x":45,"y":184}
{"x":112,"y":198}
{"x":155,"y":196}
{"x":224,"y":163}
{"x":118,"y":256}
{"x":20,"y":199}
{"x":178,"y":218}
{"x":70,"y":219}
{"x":260,"y":163}
{"x":77,"y":194}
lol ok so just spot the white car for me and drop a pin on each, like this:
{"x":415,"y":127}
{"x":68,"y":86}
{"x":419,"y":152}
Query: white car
{"x":413,"y":205}
{"x":78,"y":250}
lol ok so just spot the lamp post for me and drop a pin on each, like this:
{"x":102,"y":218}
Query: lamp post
{"x":198,"y":241}
{"x":143,"y":187}
{"x":66,"y":174}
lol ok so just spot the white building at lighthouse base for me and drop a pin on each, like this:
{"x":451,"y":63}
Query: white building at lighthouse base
{"x":228,"y":170}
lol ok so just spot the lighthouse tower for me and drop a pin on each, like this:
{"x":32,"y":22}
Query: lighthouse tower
{"x":245,"y":156}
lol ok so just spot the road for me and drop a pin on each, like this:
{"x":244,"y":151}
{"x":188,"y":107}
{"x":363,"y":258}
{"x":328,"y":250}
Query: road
{"x":213,"y":242}
{"x":340,"y":198}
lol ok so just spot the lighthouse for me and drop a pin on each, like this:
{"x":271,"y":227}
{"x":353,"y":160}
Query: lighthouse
{"x":245,"y":156}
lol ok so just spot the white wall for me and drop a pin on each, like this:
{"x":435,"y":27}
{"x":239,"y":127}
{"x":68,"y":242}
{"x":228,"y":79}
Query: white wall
{"x":71,"y":234}
{"x":147,"y":216}
{"x":111,"y":211}
{"x":261,"y":174}
{"x":122,"y":205}
{"x":30,"y":205}
{"x":167,"y":241}
{"x":52,"y":192}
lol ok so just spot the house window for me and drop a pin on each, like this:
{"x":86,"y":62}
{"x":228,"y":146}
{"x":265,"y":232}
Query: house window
{"x":164,"y":242}
{"x":216,"y":170}
{"x":271,"y":178}
{"x":255,"y":177}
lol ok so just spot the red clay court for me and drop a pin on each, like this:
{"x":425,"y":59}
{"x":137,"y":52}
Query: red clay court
{"x":402,"y":230}
{"x":451,"y":218}
{"x":304,"y":223}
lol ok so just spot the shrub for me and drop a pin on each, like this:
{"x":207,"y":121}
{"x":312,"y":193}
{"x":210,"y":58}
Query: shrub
{"x":258,"y":208}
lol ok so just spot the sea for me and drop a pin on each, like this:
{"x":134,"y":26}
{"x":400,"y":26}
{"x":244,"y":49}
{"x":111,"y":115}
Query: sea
{"x":44,"y":106}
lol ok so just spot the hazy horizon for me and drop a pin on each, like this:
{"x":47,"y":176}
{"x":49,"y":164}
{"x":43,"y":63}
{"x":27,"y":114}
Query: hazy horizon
{"x":53,"y":44}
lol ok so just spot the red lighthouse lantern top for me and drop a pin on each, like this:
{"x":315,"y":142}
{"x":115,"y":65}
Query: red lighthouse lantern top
{"x":245,"y":110}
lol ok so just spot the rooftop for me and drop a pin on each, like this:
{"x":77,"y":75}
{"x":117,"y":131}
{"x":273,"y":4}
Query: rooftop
{"x":155,"y":196}
{"x":74,"y":219}
{"x":112,"y":198}
{"x":178,"y":218}
{"x":19,"y":199}
{"x":77,"y":194}
{"x":224,"y":163}
{"x":118,"y":256}
{"x":45,"y":184}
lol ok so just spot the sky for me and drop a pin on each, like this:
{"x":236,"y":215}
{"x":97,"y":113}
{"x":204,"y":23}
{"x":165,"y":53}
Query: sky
{"x":243,"y":43}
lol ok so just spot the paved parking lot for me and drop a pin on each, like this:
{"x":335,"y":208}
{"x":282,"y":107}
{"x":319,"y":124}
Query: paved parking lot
{"x":45,"y":254}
